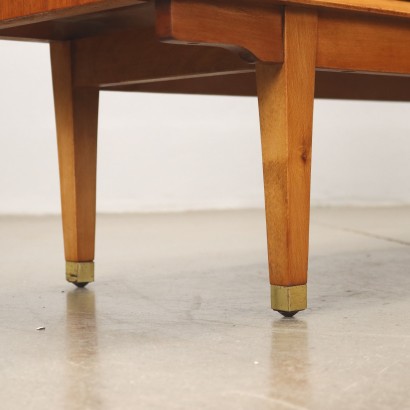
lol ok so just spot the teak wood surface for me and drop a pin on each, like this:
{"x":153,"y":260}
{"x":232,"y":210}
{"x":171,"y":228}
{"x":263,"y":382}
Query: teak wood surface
{"x":39,"y":10}
{"x":77,"y":123}
{"x":16,"y":12}
{"x":286,"y":94}
{"x":284,"y":51}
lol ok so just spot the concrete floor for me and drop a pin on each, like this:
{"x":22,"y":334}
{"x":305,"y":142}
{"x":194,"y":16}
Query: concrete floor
{"x":179,"y":316}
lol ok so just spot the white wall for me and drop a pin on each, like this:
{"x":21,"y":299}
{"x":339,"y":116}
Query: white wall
{"x":159,"y":153}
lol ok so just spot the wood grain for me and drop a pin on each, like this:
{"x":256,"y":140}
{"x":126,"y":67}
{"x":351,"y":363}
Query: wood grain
{"x":286,"y":94}
{"x":85,"y":25}
{"x":77,"y":123}
{"x":386,"y":7}
{"x":357,"y":42}
{"x":18,"y":12}
{"x":249,"y":28}
{"x":133,"y":56}
{"x":328,"y":85}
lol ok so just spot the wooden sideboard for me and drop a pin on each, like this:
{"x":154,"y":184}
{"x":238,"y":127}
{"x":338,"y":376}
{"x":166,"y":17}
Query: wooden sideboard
{"x":285,"y":52}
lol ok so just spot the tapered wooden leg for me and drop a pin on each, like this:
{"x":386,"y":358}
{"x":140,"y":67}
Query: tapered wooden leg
{"x":77,"y":122}
{"x":286,"y":94}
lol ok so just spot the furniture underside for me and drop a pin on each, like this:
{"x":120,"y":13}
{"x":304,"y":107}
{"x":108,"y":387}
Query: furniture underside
{"x":126,"y":35}
{"x":286,"y":55}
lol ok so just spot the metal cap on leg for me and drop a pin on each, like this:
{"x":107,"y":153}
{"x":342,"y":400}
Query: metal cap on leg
{"x":288,"y":300}
{"x":80,"y":273}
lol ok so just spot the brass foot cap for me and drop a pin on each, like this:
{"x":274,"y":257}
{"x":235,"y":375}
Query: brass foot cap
{"x":80,"y":273}
{"x":288,"y":300}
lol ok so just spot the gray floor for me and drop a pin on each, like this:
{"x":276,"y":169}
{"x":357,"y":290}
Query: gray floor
{"x":179,"y":316}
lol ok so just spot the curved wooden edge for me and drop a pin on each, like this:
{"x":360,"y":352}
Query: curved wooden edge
{"x":136,"y":56}
{"x":346,"y":40}
{"x":253,"y":30}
